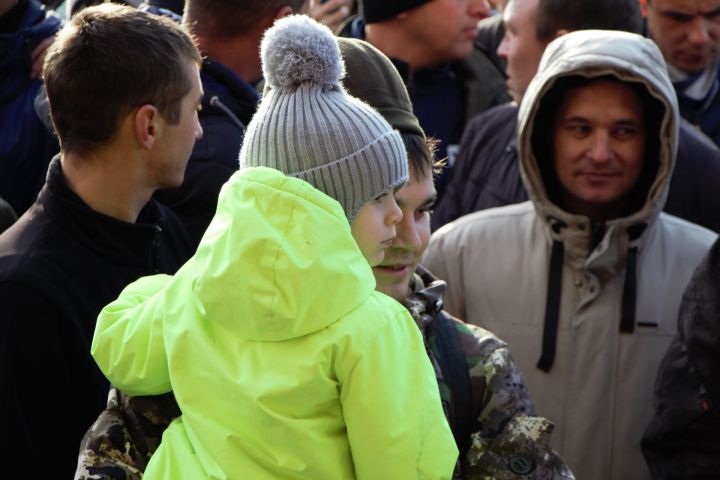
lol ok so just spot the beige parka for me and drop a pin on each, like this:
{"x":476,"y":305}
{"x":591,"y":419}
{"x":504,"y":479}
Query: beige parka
{"x":597,"y":386}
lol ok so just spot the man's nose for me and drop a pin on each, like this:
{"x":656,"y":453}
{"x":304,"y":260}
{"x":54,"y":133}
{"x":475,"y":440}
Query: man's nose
{"x":600,"y":149}
{"x":699,"y":33}
{"x":408,"y":237}
{"x":479,"y":9}
{"x":504,"y":47}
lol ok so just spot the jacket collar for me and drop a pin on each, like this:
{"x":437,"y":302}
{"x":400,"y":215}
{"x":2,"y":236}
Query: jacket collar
{"x":236,"y":94}
{"x":426,"y":297}
{"x":129,"y":243}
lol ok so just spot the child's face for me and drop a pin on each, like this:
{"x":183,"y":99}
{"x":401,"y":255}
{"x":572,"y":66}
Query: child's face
{"x":374,"y":227}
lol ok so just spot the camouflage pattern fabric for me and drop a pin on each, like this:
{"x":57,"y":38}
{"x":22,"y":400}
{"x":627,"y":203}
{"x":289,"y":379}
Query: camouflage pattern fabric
{"x":508,"y":440}
{"x":121,"y":441}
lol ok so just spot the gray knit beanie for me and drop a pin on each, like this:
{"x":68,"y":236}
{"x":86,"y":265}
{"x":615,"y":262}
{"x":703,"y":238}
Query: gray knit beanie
{"x":308,"y":127}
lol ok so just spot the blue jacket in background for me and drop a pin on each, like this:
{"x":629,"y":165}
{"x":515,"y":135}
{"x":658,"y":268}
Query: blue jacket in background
{"x":26,"y":145}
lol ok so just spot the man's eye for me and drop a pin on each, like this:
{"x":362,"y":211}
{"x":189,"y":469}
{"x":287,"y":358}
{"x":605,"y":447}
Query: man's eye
{"x":679,"y":17}
{"x":625,"y":132}
{"x":579,"y":129}
{"x":428,"y":210}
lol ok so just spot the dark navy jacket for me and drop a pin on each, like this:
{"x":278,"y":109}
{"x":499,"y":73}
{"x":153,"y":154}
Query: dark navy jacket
{"x":26,"y":145}
{"x":60,"y":264}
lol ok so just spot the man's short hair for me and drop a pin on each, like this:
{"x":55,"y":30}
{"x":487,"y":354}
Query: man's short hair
{"x":421,"y":154}
{"x":217,"y":18}
{"x":109,"y":60}
{"x":572,"y":15}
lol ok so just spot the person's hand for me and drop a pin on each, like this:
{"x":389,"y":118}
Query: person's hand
{"x":38,"y":57}
{"x":331,"y":13}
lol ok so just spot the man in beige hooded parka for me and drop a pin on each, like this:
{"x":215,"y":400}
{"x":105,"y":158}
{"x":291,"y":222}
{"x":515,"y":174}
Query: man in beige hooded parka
{"x":584,"y":281}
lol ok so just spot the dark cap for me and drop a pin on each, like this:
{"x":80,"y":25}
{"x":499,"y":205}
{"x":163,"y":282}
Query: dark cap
{"x":371,"y":77}
{"x":379,"y":10}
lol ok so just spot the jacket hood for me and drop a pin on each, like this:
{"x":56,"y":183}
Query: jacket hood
{"x":278,"y":260}
{"x":595,"y":53}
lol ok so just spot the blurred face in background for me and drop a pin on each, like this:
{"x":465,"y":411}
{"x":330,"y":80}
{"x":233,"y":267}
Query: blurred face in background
{"x":520,"y":46}
{"x":445,"y":28}
{"x":686,"y":31}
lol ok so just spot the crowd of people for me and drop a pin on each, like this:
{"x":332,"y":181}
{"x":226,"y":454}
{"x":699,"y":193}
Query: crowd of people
{"x":282,"y":239}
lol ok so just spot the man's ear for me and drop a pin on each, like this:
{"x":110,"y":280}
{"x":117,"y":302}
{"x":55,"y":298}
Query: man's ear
{"x":147,"y":123}
{"x":284,"y":12}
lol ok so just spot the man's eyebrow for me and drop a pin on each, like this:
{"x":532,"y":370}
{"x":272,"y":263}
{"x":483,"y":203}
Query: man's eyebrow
{"x":429,"y":201}
{"x":712,"y":13}
{"x":633,"y":122}
{"x":622,"y":121}
{"x":574,"y":118}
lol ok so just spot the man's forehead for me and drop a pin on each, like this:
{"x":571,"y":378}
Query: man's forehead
{"x":685,"y":6}
{"x":515,"y":8}
{"x":577,"y":98}
{"x":418,"y":185}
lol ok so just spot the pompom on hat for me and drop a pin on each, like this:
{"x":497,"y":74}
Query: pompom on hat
{"x":308,"y":127}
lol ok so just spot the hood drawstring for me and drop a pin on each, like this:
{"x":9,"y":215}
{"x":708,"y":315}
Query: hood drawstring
{"x":627,"y":321}
{"x":554,"y":293}
{"x":217,"y":103}
{"x":552,"y":305}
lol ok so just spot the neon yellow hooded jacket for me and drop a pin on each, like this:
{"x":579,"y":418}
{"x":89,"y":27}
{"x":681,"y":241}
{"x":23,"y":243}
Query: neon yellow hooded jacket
{"x":285,"y":361}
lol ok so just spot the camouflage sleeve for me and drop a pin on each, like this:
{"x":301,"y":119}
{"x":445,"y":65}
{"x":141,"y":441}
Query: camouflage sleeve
{"x":120,"y":442}
{"x":509,"y":441}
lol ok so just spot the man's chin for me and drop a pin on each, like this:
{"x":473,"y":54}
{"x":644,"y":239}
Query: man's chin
{"x":393,"y":281}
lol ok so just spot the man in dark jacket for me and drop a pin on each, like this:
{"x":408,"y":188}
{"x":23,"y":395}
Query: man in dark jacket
{"x":487,"y":171}
{"x":682,"y":441}
{"x":94,"y":227}
{"x":688,"y":35}
{"x":26,"y":145}
{"x":228,"y":34}
{"x":431,"y":44}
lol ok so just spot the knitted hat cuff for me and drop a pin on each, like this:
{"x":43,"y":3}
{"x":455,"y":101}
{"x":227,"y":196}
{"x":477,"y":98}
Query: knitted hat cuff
{"x":363,"y":175}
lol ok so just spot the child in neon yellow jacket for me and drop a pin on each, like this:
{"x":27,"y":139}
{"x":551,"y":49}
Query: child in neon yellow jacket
{"x":285,"y":361}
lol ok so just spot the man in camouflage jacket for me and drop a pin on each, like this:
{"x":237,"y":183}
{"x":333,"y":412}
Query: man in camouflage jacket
{"x":483,"y":392}
{"x":506,"y":439}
